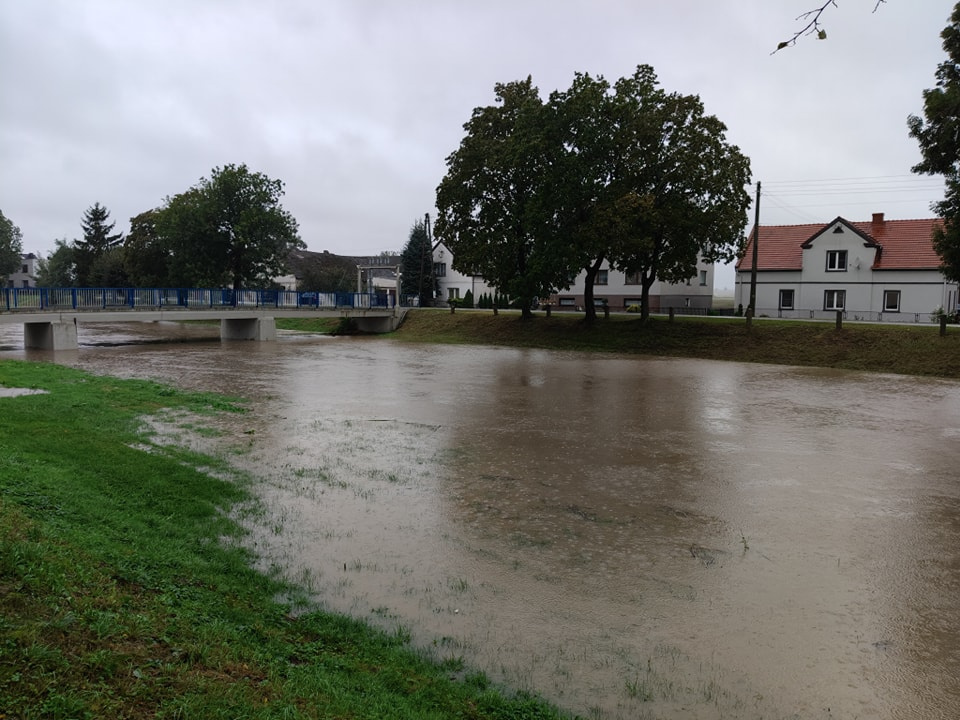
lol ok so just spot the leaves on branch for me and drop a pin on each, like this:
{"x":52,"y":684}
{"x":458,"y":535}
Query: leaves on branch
{"x":812,"y":26}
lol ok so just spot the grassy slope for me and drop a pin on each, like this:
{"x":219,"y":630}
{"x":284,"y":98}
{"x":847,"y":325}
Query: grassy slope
{"x":123,"y":595}
{"x":911,"y":350}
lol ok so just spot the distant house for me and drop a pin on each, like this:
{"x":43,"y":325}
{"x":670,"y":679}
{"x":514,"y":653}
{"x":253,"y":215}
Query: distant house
{"x":616,"y":289}
{"x":874,"y":270}
{"x":619,"y":291}
{"x":27,"y":275}
{"x":453,"y":284}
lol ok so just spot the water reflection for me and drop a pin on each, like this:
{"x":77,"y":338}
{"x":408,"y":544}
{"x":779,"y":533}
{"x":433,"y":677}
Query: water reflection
{"x":631,"y":537}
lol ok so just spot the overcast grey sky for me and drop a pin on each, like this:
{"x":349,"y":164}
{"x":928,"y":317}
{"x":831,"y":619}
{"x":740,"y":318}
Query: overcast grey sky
{"x":355,"y":104}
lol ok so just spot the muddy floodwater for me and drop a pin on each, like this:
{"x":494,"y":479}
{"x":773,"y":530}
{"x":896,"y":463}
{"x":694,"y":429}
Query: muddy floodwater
{"x":629,"y":537}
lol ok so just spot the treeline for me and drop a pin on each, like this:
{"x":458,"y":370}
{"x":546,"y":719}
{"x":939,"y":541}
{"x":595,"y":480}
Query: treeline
{"x":226,"y":231}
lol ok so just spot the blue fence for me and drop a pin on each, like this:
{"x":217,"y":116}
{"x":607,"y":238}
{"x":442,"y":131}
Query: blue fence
{"x":35,"y":299}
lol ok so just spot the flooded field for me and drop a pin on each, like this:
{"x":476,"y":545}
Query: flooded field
{"x":629,"y":537}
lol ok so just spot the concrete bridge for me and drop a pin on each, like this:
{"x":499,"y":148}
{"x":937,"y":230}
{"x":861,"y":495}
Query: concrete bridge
{"x":50,"y":316}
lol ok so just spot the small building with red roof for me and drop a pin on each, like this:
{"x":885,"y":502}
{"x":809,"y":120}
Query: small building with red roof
{"x":874,"y":270}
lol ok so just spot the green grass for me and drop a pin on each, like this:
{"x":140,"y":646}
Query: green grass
{"x":326,"y":326}
{"x":910,"y":350}
{"x":125,"y":591}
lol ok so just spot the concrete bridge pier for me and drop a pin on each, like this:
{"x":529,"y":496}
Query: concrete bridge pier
{"x":50,"y":335}
{"x":262,"y":329}
{"x":379,"y":323}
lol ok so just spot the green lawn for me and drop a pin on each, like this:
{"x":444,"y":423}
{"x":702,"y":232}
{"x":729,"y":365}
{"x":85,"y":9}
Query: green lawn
{"x":910,"y":350}
{"x":125,"y":591}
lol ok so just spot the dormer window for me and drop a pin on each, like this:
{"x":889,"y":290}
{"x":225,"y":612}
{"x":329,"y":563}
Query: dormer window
{"x":836,"y":260}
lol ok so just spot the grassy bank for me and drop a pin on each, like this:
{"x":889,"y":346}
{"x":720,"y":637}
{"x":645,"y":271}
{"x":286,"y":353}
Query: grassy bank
{"x":125,"y":592}
{"x":910,"y":350}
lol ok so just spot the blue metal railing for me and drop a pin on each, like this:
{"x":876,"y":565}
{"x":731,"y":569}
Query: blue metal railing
{"x":36,"y":299}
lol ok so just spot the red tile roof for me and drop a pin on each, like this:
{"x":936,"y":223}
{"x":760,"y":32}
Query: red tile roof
{"x":904,"y":244}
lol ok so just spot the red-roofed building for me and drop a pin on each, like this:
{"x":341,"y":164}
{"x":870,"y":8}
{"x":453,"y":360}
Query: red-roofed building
{"x":875,"y":270}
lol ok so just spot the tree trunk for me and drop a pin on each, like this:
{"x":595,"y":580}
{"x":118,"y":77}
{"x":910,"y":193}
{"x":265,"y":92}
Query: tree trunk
{"x":590,"y":310}
{"x":646,"y":282}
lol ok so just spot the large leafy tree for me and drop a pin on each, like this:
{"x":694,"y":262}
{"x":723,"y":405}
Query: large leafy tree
{"x":58,"y":269}
{"x":11,"y":246}
{"x":492,"y":202}
{"x":98,"y":240}
{"x":416,"y":265}
{"x":327,"y":272}
{"x":626,"y":173}
{"x":229,"y":229}
{"x":146,"y":259}
{"x":939,"y":139}
{"x":681,"y":188}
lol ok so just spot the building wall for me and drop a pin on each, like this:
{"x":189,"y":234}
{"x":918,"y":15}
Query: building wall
{"x":921,"y":292}
{"x":620,"y":293}
{"x":452,"y":283}
{"x":27,"y":275}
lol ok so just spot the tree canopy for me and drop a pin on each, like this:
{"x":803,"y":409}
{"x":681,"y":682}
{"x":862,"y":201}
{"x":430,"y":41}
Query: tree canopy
{"x":416,"y":265}
{"x":98,"y":240}
{"x":57,"y":270}
{"x":11,"y":246}
{"x":626,"y":173}
{"x":939,"y":139}
{"x":491,"y":203}
{"x":229,"y":229}
{"x":328,"y":273}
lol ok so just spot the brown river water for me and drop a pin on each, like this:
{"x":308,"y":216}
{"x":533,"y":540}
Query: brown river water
{"x":629,"y":537}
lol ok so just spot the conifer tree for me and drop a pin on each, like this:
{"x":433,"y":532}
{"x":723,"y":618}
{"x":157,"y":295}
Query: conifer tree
{"x":939,"y":139}
{"x":98,"y":240}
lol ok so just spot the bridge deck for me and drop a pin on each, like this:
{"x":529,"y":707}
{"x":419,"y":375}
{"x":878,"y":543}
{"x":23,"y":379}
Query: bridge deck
{"x":50,"y":316}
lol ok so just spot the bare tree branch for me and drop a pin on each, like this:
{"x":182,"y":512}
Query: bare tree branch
{"x":812,"y":18}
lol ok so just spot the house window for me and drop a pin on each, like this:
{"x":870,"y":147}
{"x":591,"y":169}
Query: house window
{"x":603,"y":277}
{"x":440,"y":269}
{"x":834,"y":299}
{"x":568,"y":302}
{"x":599,"y":301}
{"x":24,"y":270}
{"x":703,"y":277}
{"x":453,"y":293}
{"x":891,"y":301}
{"x":836,"y":260}
{"x":786,"y":299}
{"x":632,"y":278}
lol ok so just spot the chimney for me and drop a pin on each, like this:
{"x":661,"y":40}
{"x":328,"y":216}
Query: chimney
{"x":878,"y":219}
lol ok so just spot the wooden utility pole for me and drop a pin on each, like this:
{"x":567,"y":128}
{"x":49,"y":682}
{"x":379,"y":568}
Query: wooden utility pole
{"x":752,"y":307}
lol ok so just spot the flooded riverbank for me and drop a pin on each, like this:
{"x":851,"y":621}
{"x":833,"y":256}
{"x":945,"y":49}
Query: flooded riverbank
{"x":629,"y":537}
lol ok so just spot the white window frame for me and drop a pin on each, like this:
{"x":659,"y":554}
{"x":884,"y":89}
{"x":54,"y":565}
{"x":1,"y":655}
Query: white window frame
{"x":703,"y":277}
{"x":603,"y":277}
{"x":838,"y":297}
{"x":836,"y":260}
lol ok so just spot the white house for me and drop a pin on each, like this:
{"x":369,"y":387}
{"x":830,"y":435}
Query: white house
{"x":619,"y":291}
{"x":27,"y":275}
{"x":452,"y":284}
{"x":875,"y":270}
{"x":616,"y":288}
